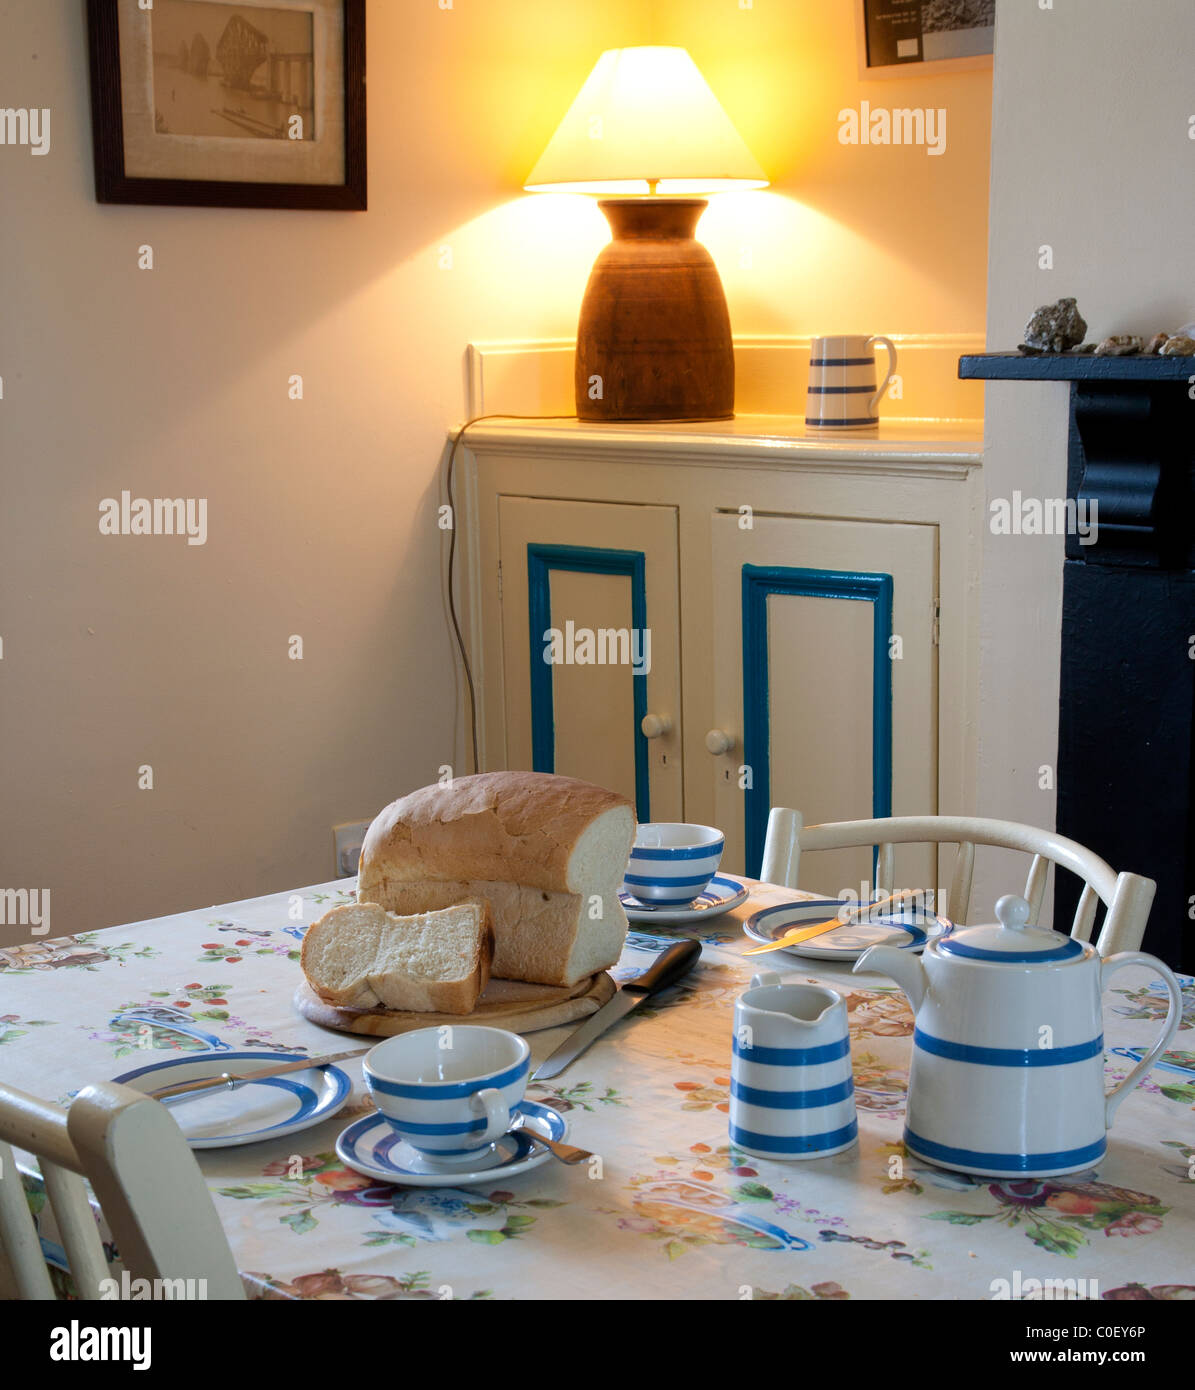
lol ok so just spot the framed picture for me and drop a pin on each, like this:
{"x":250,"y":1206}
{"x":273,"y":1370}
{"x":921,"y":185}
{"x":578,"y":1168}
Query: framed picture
{"x":934,"y":35}
{"x":254,"y":104}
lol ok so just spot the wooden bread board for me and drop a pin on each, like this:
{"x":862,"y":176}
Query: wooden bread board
{"x":511,"y":1004}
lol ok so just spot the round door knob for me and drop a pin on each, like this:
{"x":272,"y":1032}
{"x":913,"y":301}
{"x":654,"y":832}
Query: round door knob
{"x":719,"y":741}
{"x":655,"y":725}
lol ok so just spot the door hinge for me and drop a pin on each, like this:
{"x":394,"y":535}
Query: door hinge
{"x":500,"y":582}
{"x":937,"y":629}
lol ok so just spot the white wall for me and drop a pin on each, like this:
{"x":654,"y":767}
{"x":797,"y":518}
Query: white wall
{"x":122,"y":651}
{"x":877,"y":239}
{"x":1090,"y":156}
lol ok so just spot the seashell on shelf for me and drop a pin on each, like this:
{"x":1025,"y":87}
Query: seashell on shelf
{"x":1178,"y":346}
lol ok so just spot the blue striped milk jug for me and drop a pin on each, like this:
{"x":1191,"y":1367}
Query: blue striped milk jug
{"x":792,"y":1094}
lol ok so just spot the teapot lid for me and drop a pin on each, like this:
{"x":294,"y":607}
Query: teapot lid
{"x":1011,"y":941}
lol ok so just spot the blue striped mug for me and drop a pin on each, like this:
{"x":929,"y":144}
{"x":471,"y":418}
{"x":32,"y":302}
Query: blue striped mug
{"x":792,"y":1094}
{"x":451,"y":1091}
{"x":842,"y":390}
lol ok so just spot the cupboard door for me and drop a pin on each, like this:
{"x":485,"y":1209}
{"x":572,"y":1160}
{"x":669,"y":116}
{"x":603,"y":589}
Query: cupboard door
{"x":591,"y":645}
{"x":827,"y":676}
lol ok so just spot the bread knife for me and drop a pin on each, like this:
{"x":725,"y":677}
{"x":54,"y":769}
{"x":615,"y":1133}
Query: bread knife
{"x":667,"y":968}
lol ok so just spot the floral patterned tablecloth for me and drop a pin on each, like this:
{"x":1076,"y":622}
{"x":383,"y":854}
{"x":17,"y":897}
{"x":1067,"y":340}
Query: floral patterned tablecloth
{"x":676,"y":1211}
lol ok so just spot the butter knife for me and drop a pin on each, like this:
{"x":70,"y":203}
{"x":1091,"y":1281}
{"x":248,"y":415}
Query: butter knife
{"x":670,"y":966}
{"x":183,"y":1090}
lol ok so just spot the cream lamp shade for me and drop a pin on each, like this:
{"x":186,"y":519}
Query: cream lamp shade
{"x":645,"y":121}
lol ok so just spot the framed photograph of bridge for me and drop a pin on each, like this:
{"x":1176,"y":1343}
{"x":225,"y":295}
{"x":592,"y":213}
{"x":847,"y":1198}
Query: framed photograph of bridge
{"x":210,"y":103}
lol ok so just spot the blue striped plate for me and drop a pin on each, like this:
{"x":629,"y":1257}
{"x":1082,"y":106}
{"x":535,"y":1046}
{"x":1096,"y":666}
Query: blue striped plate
{"x":723,"y":893}
{"x":908,"y":932}
{"x":370,"y":1147}
{"x":265,"y":1109}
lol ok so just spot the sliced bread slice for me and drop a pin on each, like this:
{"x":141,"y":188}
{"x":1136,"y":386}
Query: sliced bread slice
{"x":545,"y":938}
{"x":363,"y":957}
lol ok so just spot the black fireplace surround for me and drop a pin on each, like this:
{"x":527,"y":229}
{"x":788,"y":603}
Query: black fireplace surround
{"x":1126,"y":770}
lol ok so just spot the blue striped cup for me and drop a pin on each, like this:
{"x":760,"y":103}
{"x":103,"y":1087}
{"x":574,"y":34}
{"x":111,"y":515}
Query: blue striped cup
{"x":792,"y":1094}
{"x":449,"y":1092}
{"x":842,"y":390}
{"x":672,"y":863}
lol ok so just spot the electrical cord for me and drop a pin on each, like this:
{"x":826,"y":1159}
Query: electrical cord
{"x":456,"y":626}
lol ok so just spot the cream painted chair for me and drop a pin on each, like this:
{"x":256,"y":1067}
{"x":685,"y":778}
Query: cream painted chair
{"x":1127,"y":897}
{"x":144,"y":1176}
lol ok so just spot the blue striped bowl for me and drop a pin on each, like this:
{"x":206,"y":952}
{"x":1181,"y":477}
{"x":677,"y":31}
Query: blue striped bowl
{"x":672,"y":863}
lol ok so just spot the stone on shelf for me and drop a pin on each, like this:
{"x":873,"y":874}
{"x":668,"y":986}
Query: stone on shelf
{"x":1120,"y":345}
{"x":1156,"y":343}
{"x":1056,"y":327}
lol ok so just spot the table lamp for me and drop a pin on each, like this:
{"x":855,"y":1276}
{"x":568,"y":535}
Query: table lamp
{"x":653,"y":340}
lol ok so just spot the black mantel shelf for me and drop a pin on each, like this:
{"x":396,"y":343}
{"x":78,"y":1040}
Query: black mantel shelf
{"x":1126,"y":745}
{"x":1073,"y":366}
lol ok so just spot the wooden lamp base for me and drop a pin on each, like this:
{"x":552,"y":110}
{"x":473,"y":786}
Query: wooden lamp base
{"x":653,"y":342}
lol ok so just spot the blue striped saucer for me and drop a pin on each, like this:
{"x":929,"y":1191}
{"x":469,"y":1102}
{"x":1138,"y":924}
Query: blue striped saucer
{"x":370,"y":1147}
{"x":265,"y":1109}
{"x":723,"y":893}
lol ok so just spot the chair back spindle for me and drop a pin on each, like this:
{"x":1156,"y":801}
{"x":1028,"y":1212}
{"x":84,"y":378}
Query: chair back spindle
{"x":1084,"y":919}
{"x":18,"y":1235}
{"x":958,"y":903}
{"x":885,"y":874}
{"x":1035,"y":886}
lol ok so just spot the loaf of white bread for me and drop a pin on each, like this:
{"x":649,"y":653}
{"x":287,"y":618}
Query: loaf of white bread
{"x":546,"y":853}
{"x":360,"y":957}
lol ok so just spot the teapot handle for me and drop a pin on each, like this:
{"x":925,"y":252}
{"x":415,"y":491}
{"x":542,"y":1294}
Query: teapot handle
{"x":1173,"y":1017}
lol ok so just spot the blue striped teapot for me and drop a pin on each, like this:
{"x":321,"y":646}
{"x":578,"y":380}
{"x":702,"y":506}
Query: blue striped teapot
{"x":1007,"y":1078}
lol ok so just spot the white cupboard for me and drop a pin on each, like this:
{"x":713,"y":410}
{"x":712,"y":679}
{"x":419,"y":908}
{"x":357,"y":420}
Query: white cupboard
{"x":713,"y":619}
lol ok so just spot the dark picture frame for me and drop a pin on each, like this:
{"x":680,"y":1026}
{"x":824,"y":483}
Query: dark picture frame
{"x":114,"y":185}
{"x":885,"y":27}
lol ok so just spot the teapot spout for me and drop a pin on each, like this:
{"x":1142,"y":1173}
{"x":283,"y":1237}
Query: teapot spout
{"x":902,"y":966}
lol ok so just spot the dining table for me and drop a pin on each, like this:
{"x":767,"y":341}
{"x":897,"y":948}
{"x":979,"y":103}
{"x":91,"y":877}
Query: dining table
{"x":668,"y":1208}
